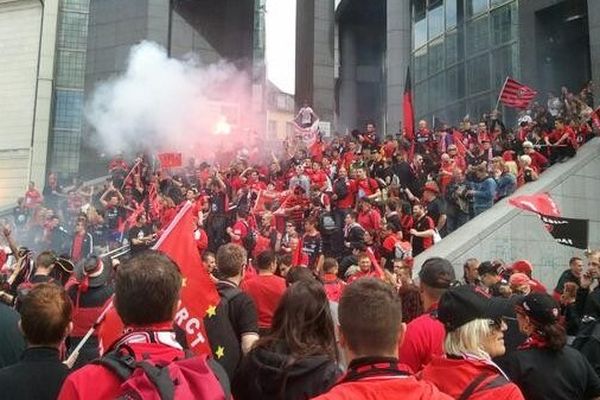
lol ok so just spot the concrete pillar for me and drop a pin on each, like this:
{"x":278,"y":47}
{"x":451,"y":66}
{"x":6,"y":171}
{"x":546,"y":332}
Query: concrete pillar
{"x":594,"y":27}
{"x":348,"y":89}
{"x":398,"y":59}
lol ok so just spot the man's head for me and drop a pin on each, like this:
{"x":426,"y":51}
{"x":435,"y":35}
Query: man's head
{"x":46,"y":313}
{"x":141,"y":220}
{"x":210,"y":261}
{"x":576,"y":266}
{"x":330,"y":265}
{"x":488,"y":274}
{"x":527,"y":147}
{"x":113,"y":200}
{"x":266,"y":261}
{"x":350,"y":218}
{"x":422,"y":124}
{"x":370,"y":316}
{"x":45,"y":261}
{"x":147,"y":289}
{"x":470,"y":268}
{"x":54,"y":221}
{"x":361,"y":173}
{"x":231,"y":260}
{"x":364,"y":262}
{"x":80,"y":226}
{"x":436,"y":276}
{"x":370,"y":127}
{"x":418,"y":211}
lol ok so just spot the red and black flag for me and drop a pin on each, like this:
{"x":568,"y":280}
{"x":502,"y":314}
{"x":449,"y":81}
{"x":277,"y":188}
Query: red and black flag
{"x":515,"y":94}
{"x":408,"y":112}
{"x":568,"y":231}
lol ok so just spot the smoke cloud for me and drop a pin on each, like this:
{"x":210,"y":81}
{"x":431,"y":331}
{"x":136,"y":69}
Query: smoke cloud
{"x":165,"y":104}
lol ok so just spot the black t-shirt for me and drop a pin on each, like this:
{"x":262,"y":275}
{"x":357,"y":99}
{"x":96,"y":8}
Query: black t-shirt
{"x":137,"y":232}
{"x":113,"y":215}
{"x":419,"y":244}
{"x":312,"y":247}
{"x":235,"y":316}
{"x":435,"y":209}
{"x":543,"y":374}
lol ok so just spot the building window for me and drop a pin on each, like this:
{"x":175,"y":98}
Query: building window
{"x":498,"y":2}
{"x":421,"y":64}
{"x":437,"y":96}
{"x":455,"y":82}
{"x":420,"y":33}
{"x":75,"y":5}
{"x":421,"y":98}
{"x":452,"y":55}
{"x":435,"y":22}
{"x":475,"y":7}
{"x":436,"y":56}
{"x":504,"y":62}
{"x":478,"y":106}
{"x":72,"y":30}
{"x":70,"y":68}
{"x":478,"y":72}
{"x":451,"y":13}
{"x":68,"y":109}
{"x":477,"y":35}
{"x":504,"y":24}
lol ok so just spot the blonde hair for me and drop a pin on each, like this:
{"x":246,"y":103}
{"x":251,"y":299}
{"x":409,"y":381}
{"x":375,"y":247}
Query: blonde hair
{"x":525,"y":160}
{"x":467,"y":339}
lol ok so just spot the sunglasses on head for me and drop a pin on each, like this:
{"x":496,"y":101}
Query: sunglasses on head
{"x":497,"y":323}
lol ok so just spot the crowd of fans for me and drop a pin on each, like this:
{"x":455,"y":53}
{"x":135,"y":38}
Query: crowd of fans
{"x":312,"y":255}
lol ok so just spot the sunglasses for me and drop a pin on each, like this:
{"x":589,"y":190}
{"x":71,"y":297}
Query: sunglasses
{"x":497,"y":323}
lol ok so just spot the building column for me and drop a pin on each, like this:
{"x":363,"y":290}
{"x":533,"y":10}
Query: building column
{"x":398,"y":59}
{"x":594,"y":33}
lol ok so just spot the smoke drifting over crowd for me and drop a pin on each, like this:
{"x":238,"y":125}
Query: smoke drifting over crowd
{"x":166,"y":104}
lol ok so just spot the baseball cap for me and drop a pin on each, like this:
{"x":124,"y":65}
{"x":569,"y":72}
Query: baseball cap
{"x":437,"y":273}
{"x":519,"y":279}
{"x":541,"y":308}
{"x":527,"y":143}
{"x":463,"y":304}
{"x":522,"y":266}
{"x":487,"y":267}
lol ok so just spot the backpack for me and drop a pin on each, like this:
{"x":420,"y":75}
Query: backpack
{"x":476,"y":384}
{"x":327,"y":223}
{"x":249,"y":241}
{"x":193,"y":377}
{"x":400,"y":252}
{"x":340,"y":189}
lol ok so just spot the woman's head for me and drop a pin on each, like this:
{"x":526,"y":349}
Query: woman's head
{"x":538,"y":315}
{"x":303,"y":322}
{"x":473,"y":325}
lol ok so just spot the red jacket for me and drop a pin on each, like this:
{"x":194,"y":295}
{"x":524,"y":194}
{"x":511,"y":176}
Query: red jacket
{"x":453,"y":376}
{"x":424,"y":339}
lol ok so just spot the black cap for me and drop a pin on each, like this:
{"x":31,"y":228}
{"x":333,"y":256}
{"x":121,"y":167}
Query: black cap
{"x":437,"y":273}
{"x":464,"y":304}
{"x":541,"y":308}
{"x":487,"y":267}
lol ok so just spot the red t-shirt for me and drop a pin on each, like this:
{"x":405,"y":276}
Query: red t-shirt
{"x":240,"y":228}
{"x":423,"y":340}
{"x":348,"y":201}
{"x":265,"y":291}
{"x":366,"y":187}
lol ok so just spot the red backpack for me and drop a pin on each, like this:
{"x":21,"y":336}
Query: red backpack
{"x":190,"y":378}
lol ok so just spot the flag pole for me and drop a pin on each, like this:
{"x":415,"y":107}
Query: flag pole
{"x":500,"y":94}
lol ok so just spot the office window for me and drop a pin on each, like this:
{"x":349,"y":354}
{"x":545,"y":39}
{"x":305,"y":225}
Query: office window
{"x":70,"y":68}
{"x":504,"y":62}
{"x":478,"y":106}
{"x":452,"y":55}
{"x":504,"y":24}
{"x":478,"y":73}
{"x":451,"y":13}
{"x":436,"y":56}
{"x":420,"y":33}
{"x":455,"y":82}
{"x":72,"y":30}
{"x":475,"y":7}
{"x":498,"y":2}
{"x":421,"y":98}
{"x":477,"y":35}
{"x":68,"y":109}
{"x":437,"y":93}
{"x":420,"y":69}
{"x":75,"y":5}
{"x":435,"y":18}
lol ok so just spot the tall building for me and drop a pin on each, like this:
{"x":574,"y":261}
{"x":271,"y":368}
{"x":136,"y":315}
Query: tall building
{"x":30,"y":31}
{"x":459,"y":52}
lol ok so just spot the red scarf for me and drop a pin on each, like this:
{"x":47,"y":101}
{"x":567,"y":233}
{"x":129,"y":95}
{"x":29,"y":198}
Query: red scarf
{"x":536,"y":341}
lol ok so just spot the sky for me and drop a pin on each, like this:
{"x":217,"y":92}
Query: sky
{"x":281,"y":44}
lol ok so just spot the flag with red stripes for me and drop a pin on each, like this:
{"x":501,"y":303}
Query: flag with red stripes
{"x":515,"y":94}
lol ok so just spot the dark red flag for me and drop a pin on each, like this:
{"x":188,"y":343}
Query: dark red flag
{"x":170,"y":160}
{"x":539,"y":203}
{"x":199,"y":297}
{"x":408,"y":112}
{"x":515,"y":94}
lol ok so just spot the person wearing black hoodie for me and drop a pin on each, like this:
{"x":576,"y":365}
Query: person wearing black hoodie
{"x":298,"y":360}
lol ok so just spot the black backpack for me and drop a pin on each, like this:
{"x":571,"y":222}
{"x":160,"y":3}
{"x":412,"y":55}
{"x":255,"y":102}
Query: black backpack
{"x":249,"y":241}
{"x":340,"y":189}
{"x":327,"y":223}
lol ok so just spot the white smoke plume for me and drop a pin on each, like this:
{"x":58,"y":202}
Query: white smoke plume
{"x":165,"y":104}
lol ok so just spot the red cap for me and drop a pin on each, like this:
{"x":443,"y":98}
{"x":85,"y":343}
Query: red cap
{"x":432,"y":187}
{"x":519,"y":279}
{"x":522,"y":266}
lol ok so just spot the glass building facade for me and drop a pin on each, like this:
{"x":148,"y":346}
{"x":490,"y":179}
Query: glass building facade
{"x":69,"y":72}
{"x":461,"y":54}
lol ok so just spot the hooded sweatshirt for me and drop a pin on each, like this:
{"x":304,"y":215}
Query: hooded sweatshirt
{"x":267,"y":374}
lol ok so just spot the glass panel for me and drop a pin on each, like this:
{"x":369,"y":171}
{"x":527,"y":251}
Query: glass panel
{"x":436,"y":92}
{"x":421,"y":64}
{"x":455,"y":113}
{"x":72,"y":31}
{"x":478,"y":106}
{"x":451,"y":48}
{"x":70,"y":68}
{"x":452,"y":83}
{"x":76,"y":5}
{"x":504,"y":61}
{"x":436,"y":21}
{"x":419,"y":8}
{"x":497,"y":2}
{"x":436,"y":56}
{"x":68,"y":109}
{"x":475,"y":7}
{"x":478,"y":71}
{"x":450,"y":13}
{"x":478,"y":35}
{"x":421,"y":98}
{"x":420,"y":33}
{"x":504,"y":24}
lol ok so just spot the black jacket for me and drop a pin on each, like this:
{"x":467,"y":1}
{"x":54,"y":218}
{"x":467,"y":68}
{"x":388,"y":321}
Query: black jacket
{"x":12,"y":343}
{"x":39,"y":375}
{"x":268,"y":375}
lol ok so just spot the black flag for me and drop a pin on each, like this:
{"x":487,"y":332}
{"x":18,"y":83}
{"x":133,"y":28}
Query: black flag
{"x":568,"y":231}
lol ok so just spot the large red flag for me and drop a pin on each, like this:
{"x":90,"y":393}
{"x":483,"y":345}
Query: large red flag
{"x":539,"y":203}
{"x":170,"y":160}
{"x":408,"y":112}
{"x":517,"y":95}
{"x":199,"y":296}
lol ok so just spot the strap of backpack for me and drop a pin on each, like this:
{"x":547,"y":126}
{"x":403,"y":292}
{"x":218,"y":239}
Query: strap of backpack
{"x":161,"y":378}
{"x":469,"y":390}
